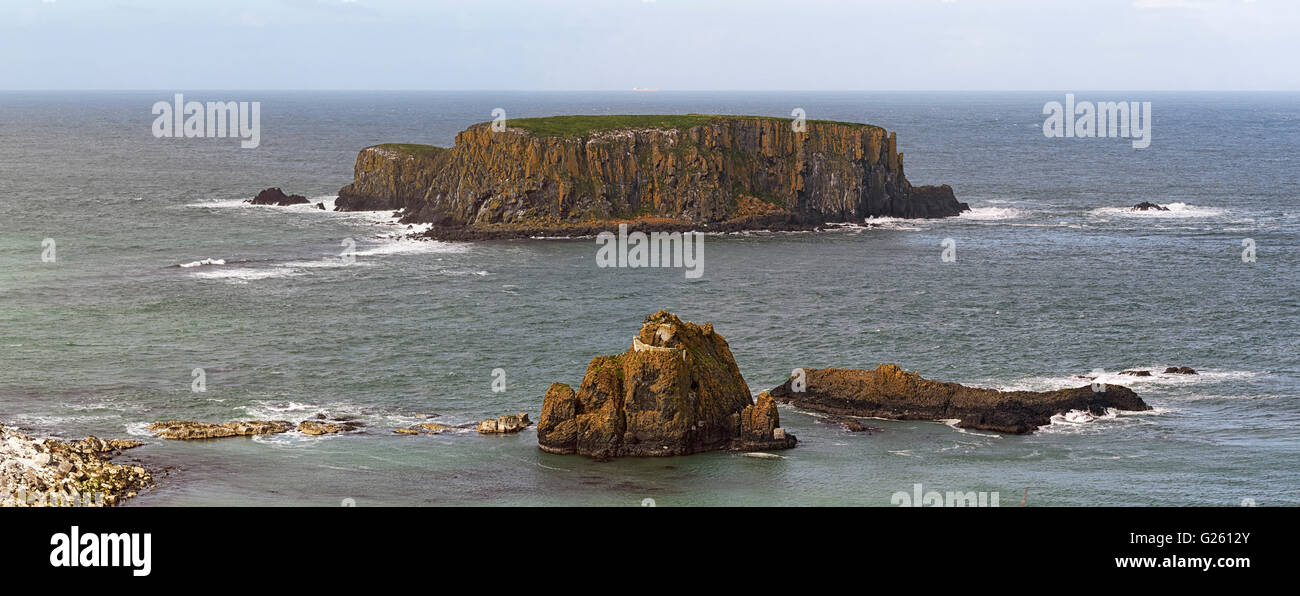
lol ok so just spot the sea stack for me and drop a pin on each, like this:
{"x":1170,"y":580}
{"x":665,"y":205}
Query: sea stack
{"x":675,"y":391}
{"x":891,"y":392}
{"x":568,"y":175}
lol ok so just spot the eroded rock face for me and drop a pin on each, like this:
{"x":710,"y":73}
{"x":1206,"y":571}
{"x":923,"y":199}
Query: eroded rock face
{"x":891,"y":392}
{"x":676,"y":391}
{"x":190,"y":429}
{"x":275,"y":196}
{"x":752,"y":172}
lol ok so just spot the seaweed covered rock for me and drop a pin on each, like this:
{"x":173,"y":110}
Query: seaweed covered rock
{"x":891,"y":392}
{"x":675,"y":391}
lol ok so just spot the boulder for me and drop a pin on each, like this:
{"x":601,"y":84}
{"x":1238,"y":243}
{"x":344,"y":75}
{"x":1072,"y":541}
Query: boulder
{"x":1147,"y":206}
{"x":190,"y":430}
{"x":890,"y":392}
{"x":1180,"y":370}
{"x":510,"y":423}
{"x":275,"y":196}
{"x":675,"y":391}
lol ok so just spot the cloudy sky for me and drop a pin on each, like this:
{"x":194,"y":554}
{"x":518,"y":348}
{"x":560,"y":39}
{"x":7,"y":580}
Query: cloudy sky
{"x":666,"y":44}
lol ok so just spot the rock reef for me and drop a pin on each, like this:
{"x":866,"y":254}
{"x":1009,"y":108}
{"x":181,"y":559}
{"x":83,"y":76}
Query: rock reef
{"x":566,"y":174}
{"x":891,"y":392}
{"x":677,"y":390}
{"x":192,"y":430}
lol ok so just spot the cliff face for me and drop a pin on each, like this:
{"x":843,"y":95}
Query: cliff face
{"x":676,"y":391}
{"x":705,"y":170}
{"x":391,"y":176}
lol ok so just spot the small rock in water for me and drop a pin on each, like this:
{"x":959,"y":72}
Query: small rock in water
{"x":275,"y":196}
{"x":1149,"y":206}
{"x":1180,"y":370}
{"x":510,"y":423}
{"x":1136,"y":373}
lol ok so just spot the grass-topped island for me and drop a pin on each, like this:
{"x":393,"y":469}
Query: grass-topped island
{"x":579,"y":175}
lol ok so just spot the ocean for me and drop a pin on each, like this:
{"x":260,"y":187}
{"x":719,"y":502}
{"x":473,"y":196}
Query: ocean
{"x":1054,"y":277}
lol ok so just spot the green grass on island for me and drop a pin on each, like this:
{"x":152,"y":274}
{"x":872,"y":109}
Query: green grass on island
{"x":413,"y":149}
{"x":582,"y":125}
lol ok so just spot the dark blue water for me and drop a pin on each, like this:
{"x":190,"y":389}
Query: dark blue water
{"x":1054,"y":278}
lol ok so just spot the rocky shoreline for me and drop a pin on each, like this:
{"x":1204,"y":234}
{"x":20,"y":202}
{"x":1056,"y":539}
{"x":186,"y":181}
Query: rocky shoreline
{"x":48,"y":472}
{"x":677,"y":390}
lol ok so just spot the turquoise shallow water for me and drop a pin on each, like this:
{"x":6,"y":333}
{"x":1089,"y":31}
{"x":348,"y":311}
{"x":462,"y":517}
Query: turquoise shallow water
{"x":1053,"y":279}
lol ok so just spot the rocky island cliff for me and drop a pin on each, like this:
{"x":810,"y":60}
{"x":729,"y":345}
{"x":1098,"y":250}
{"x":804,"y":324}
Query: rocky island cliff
{"x":578,"y":174}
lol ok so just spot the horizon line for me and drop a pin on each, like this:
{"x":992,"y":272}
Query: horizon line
{"x":643,"y":91}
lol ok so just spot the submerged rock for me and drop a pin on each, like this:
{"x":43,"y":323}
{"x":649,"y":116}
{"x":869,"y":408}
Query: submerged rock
{"x":190,"y":429}
{"x":1180,"y":370}
{"x":890,"y":392}
{"x":1136,"y":373}
{"x":1148,"y":206}
{"x":852,"y":425}
{"x":510,"y":423}
{"x":675,"y":391}
{"x":275,"y":196}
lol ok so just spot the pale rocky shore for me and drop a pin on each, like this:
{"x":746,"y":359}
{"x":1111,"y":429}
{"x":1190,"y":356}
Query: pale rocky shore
{"x":53,"y":473}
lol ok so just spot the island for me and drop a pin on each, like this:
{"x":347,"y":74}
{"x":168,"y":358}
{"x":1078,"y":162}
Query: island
{"x":580,"y":175}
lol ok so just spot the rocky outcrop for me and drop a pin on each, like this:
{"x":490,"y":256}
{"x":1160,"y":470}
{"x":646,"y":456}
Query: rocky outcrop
{"x":391,"y":176}
{"x":675,"y":391}
{"x":1149,"y":206}
{"x":543,"y":176}
{"x":890,"y":392}
{"x":510,"y":423}
{"x":1180,"y":370}
{"x":190,"y":430}
{"x":275,"y":196}
{"x":48,"y":472}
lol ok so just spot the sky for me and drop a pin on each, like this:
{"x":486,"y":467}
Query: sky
{"x":663,"y":44}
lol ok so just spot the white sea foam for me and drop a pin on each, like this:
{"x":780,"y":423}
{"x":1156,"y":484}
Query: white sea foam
{"x":138,"y":429}
{"x":245,"y":274}
{"x":891,"y":223}
{"x":404,"y":246}
{"x":1175,"y":211}
{"x":203,"y":262}
{"x":992,"y":213}
{"x":1113,"y":377}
